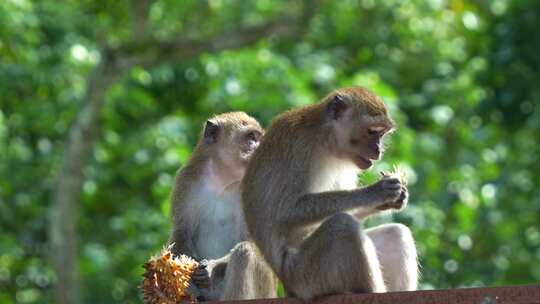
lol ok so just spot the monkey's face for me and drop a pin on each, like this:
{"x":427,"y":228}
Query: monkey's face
{"x":238,"y":146}
{"x":358,"y":133}
{"x":366,"y":140}
{"x":235,"y":136}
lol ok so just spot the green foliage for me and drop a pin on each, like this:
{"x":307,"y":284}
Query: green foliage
{"x":459,"y":76}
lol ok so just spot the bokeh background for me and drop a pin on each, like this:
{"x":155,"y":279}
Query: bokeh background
{"x":101,"y":102}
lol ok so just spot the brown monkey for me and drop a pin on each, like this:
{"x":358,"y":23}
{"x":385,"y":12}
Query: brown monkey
{"x":299,"y":186}
{"x":208,"y":221}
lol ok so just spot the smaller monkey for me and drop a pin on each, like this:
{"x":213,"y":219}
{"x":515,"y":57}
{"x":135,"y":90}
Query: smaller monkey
{"x":208,"y":222}
{"x":301,"y":186}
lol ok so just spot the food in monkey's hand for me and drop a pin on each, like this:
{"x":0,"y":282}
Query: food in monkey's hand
{"x":401,"y":203}
{"x":398,"y":173}
{"x":167,"y":277}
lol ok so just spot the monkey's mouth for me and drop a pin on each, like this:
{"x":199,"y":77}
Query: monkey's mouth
{"x":246,"y":155}
{"x":362,"y":162}
{"x":248,"y":151}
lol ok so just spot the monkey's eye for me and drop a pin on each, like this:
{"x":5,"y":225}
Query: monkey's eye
{"x":375,"y":130}
{"x":252,"y":136}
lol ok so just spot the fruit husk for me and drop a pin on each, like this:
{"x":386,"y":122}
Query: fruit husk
{"x":166,"y":278}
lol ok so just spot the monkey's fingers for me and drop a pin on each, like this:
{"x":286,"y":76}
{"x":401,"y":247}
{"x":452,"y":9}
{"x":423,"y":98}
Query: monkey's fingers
{"x":383,"y":207}
{"x":200,"y":273}
{"x":401,"y":202}
{"x":201,"y":298}
{"x":203,"y":263}
{"x":201,"y":283}
{"x":404,"y":195}
{"x":201,"y":279}
{"x":390,"y":178}
{"x":391,"y":183}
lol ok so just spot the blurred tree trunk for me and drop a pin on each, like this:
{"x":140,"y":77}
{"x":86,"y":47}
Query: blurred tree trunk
{"x":146,"y":52}
{"x":63,"y":217}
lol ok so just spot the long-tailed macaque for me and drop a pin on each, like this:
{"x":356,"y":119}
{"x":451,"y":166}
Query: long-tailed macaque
{"x":208,"y":221}
{"x":302,"y":182}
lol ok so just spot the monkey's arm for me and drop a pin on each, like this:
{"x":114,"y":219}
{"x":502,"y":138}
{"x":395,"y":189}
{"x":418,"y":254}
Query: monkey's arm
{"x":184,"y":218}
{"x":183,"y":238}
{"x":218,"y":266}
{"x":313,"y":207}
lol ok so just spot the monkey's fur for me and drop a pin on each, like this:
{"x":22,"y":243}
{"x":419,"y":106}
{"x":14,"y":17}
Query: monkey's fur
{"x":300,"y":186}
{"x":208,"y":221}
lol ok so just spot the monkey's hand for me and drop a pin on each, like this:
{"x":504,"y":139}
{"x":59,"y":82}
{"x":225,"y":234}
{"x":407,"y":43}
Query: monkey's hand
{"x":401,"y":202}
{"x":200,"y":277}
{"x":208,"y":271}
{"x":387,"y":192}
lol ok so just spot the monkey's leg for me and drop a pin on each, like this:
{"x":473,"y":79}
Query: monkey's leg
{"x":336,"y":258}
{"x":247,"y":275}
{"x":397,"y":254}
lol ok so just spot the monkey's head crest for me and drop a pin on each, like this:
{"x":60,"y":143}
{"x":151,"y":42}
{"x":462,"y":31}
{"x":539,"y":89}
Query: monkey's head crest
{"x":362,"y":99}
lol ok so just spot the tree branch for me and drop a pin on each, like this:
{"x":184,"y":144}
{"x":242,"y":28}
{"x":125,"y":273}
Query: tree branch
{"x":140,"y":10}
{"x":150,"y":51}
{"x":166,"y":51}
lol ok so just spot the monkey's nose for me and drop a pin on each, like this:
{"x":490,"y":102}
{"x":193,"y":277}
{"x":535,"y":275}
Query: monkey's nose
{"x":375,"y":152}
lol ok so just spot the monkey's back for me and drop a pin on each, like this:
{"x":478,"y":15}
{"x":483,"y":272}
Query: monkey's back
{"x":278,"y":174}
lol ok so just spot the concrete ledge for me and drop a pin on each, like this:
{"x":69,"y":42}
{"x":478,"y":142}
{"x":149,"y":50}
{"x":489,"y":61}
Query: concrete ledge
{"x":526,"y":294}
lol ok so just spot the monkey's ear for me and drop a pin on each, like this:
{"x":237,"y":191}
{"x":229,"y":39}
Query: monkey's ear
{"x":211,"y":132}
{"x":336,"y":107}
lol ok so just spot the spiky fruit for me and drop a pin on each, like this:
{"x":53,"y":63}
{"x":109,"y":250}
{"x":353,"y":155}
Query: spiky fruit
{"x":398,"y":173}
{"x":167,"y":277}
